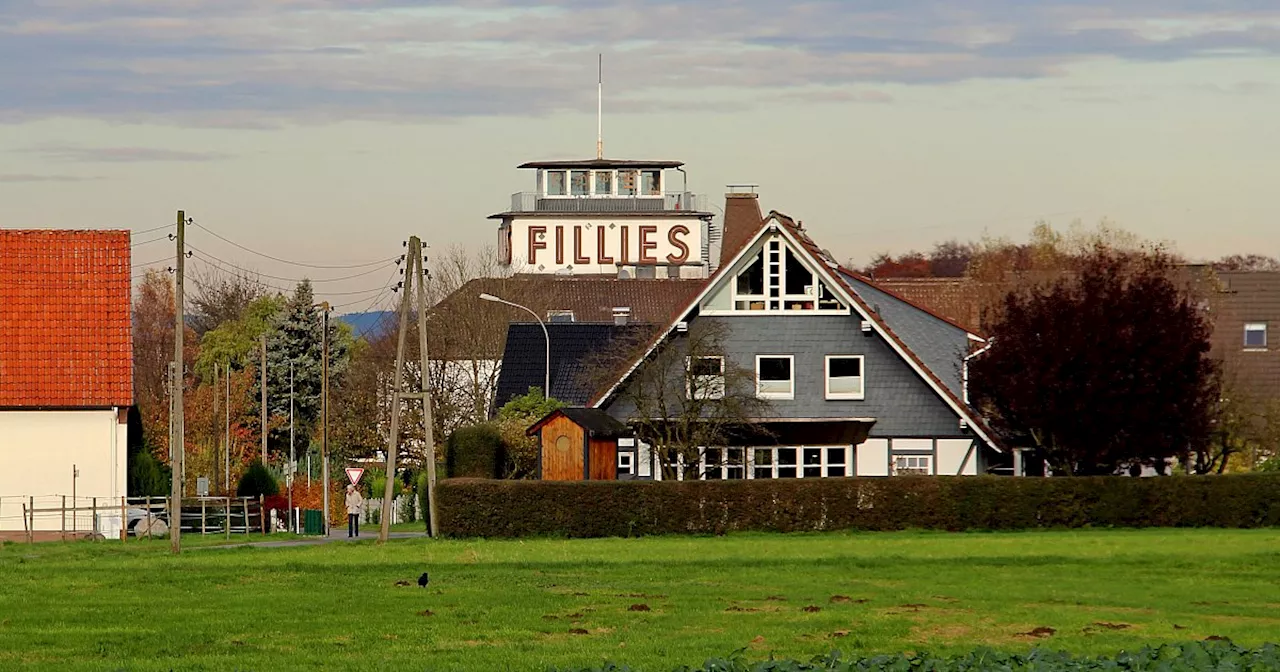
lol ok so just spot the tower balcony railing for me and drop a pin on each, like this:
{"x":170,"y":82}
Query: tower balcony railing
{"x":532,"y":201}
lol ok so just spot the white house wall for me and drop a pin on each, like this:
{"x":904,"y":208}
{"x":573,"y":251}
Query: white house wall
{"x":873,"y":457}
{"x":951,"y":455}
{"x":38,"y":450}
{"x":585,"y":250}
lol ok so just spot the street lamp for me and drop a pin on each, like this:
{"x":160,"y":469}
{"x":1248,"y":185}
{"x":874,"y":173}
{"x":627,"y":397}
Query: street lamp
{"x":546,"y":382}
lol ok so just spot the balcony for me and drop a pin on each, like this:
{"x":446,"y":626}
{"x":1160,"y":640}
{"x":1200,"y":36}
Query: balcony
{"x":530,"y":201}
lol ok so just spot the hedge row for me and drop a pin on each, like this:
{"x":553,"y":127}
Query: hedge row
{"x":492,"y":508}
{"x":1189,"y":657}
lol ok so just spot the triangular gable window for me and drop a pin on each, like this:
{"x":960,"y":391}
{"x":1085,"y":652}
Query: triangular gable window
{"x":775,"y":279}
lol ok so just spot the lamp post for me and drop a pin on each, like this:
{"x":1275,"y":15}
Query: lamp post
{"x":546,"y":382}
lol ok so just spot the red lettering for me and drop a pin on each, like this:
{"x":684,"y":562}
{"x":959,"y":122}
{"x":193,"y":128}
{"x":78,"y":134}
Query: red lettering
{"x":625,"y":252}
{"x":535,"y":244}
{"x":559,"y":244}
{"x":578,"y":258}
{"x":679,"y":244}
{"x":646,"y":244}
{"x":601,"y":257}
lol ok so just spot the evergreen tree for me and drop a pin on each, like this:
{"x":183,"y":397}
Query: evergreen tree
{"x":298,"y":340}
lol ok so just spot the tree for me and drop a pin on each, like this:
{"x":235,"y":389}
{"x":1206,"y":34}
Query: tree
{"x":153,"y":317}
{"x":514,"y":419}
{"x":909,"y":265}
{"x":1247,"y":262}
{"x":686,"y":396}
{"x":236,"y":341}
{"x":1104,"y":366}
{"x":950,"y":259}
{"x":220,"y":298}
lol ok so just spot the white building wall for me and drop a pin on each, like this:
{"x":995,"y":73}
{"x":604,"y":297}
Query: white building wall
{"x":599,"y":241}
{"x":873,"y":457}
{"x":38,"y":450}
{"x":951,"y":455}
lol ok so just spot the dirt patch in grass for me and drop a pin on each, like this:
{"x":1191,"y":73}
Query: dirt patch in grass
{"x":839,"y":633}
{"x":1039,"y":632}
{"x":946,"y":632}
{"x":1113,"y":626}
{"x":579,"y":631}
{"x":639,"y":607}
{"x":812,"y":609}
{"x":775,"y":598}
{"x":735,"y":607}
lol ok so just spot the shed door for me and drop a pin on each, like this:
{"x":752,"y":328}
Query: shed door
{"x":562,"y":450}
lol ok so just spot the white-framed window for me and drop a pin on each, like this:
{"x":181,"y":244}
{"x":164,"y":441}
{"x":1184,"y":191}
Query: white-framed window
{"x":706,"y":377}
{"x":800,"y":462}
{"x":723,"y":464}
{"x":626,"y":463}
{"x":579,"y":182}
{"x":912,"y":464}
{"x":775,"y":280}
{"x":628,"y":183}
{"x":775,"y":376}
{"x":1255,"y":335}
{"x":845,"y":377}
{"x":651,"y":183}
{"x":602,"y":183}
{"x":557,"y":184}
{"x":560,"y":316}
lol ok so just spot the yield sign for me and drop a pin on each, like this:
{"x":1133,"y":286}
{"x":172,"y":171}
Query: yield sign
{"x":354,"y":474}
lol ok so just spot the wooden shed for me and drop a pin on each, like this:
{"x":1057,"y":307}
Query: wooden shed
{"x":578,"y":444}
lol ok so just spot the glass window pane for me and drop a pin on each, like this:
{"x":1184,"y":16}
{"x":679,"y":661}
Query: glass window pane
{"x":1255,"y":335}
{"x":786,"y":456}
{"x":766,"y":472}
{"x":650,"y":182}
{"x":578,"y":182}
{"x":764,"y":456}
{"x":734,"y":473}
{"x":733,"y":456}
{"x":835,"y":471}
{"x":813,"y":472}
{"x":813,"y":456}
{"x":712,"y":474}
{"x":604,"y":182}
{"x":712,"y":456}
{"x":706,"y":366}
{"x":799,"y":279}
{"x":627,"y":180}
{"x":555,"y":183}
{"x":751,"y":279}
{"x":844,"y":367}
{"x":775,"y":368}
{"x":786,"y":472}
{"x":835,"y":456}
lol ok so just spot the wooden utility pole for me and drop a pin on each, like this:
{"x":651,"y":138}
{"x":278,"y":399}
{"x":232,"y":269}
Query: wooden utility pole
{"x":177,"y":436}
{"x":262,"y":369}
{"x":397,"y":382}
{"x":324,"y":416}
{"x":426,"y":394}
{"x":226,"y":438}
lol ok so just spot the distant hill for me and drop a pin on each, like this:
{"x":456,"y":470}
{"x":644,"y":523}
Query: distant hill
{"x":363,"y":323}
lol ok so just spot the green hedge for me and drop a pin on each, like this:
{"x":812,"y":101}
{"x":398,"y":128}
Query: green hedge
{"x":475,"y":451}
{"x":491,"y":508}
{"x":1189,"y":657}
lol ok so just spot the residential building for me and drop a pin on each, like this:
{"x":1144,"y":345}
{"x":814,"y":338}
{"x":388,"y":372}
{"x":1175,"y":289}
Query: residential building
{"x":66,"y":371}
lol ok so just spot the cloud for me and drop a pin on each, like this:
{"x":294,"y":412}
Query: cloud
{"x":21,"y":178}
{"x":263,"y":62}
{"x":86,"y":154}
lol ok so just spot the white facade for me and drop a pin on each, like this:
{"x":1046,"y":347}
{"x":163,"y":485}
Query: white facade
{"x":40,"y":451}
{"x":604,"y":245}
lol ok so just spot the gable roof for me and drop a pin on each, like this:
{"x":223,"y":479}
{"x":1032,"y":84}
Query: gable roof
{"x":905,"y":317}
{"x":65,"y":332}
{"x":572,"y":347}
{"x":598,"y":424}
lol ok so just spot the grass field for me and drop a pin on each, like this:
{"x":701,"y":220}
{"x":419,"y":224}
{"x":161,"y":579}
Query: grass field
{"x":653,"y":603}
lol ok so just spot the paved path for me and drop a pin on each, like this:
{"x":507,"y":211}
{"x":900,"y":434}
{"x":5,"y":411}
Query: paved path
{"x":335,"y":535}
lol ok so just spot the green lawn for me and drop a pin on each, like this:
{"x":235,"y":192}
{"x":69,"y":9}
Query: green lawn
{"x":525,"y":605}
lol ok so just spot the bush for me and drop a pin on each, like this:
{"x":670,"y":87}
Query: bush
{"x":475,"y":452}
{"x":492,"y":508}
{"x":147,"y":476}
{"x":1208,"y":655}
{"x":257,"y":480}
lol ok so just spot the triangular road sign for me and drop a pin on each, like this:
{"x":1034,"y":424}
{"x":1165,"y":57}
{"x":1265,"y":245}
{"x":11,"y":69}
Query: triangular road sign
{"x":354,"y":474}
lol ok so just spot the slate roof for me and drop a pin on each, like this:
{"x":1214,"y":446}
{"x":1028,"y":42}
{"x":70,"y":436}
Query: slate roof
{"x":957,"y":299}
{"x":572,"y":347}
{"x":65,"y":333}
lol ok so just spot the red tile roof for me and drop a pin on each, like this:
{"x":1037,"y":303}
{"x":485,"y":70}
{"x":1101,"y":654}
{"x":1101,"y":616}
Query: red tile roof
{"x":65,"y":335}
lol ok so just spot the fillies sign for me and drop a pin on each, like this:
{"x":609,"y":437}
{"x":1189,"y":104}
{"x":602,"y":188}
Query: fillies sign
{"x":551,"y":245}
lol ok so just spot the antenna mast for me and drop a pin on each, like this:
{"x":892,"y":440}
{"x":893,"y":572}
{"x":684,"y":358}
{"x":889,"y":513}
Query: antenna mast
{"x":600,"y":108}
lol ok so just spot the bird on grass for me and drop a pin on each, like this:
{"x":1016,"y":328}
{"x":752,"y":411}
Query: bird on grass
{"x":423,"y":580}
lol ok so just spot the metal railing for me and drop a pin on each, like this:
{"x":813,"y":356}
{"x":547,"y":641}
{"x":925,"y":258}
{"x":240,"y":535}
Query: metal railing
{"x":532,"y":201}
{"x":60,"y":517}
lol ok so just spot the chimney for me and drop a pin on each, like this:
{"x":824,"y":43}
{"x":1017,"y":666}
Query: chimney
{"x":742,"y":218}
{"x":621,"y":314}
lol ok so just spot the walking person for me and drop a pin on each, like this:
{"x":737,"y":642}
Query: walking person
{"x":354,"y":503}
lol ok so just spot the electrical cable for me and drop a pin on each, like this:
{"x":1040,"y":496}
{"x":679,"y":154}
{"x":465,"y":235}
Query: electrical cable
{"x":286,"y":261}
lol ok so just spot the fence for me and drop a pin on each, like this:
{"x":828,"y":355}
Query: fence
{"x":54,"y":517}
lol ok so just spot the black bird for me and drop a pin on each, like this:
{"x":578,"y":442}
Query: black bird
{"x":423,"y":580}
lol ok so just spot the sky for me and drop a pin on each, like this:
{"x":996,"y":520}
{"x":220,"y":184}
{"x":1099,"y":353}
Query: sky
{"x":327,"y":131}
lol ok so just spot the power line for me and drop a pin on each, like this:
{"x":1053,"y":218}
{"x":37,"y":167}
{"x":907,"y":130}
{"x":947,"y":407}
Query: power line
{"x":150,"y":263}
{"x":158,"y":228}
{"x":216,"y":260}
{"x":215,"y":263}
{"x":369,"y":303}
{"x":148,"y":242}
{"x":286,"y":261}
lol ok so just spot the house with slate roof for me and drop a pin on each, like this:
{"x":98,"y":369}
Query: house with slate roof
{"x":66,"y":369}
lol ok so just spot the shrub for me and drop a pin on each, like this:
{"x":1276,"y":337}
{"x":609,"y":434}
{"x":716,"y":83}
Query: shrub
{"x":257,"y":480}
{"x":492,"y":508}
{"x":475,"y":452}
{"x":147,"y":476}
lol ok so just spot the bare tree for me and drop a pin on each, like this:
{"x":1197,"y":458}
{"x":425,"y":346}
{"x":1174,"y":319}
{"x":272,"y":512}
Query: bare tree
{"x":686,"y":396}
{"x":221,"y":297}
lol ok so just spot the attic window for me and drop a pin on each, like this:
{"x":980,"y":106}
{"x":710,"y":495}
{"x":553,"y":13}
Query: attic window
{"x":1255,"y":336}
{"x":777,"y":279}
{"x":560,"y":316}
{"x":556,"y":185}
